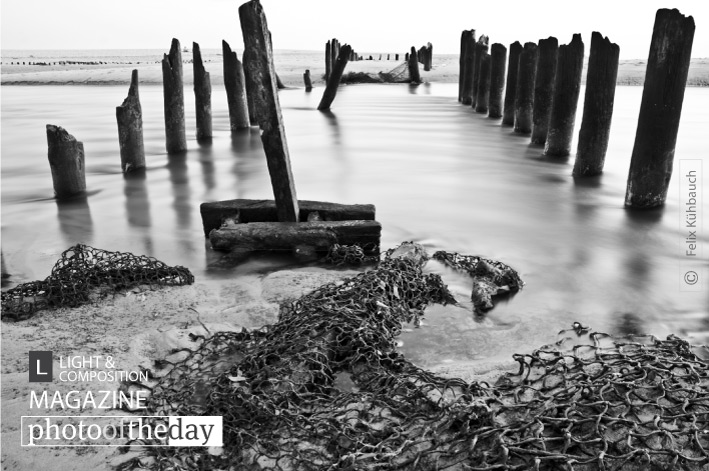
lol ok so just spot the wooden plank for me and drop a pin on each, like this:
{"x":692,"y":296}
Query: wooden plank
{"x":319,"y":235}
{"x":246,"y":210}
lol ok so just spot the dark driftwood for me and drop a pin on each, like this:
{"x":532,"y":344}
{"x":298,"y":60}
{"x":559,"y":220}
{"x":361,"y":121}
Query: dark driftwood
{"x":544,"y":88}
{"x":498,"y":57}
{"x":566,"y":98}
{"x":235,"y":85}
{"x":258,"y":64}
{"x":598,"y":107}
{"x":335,"y":76}
{"x":174,"y":100}
{"x":129,"y":116}
{"x":468,"y":38}
{"x":660,"y":110}
{"x":482,"y":96}
{"x":481,"y":48}
{"x":202,"y":95}
{"x":320,"y":235}
{"x":307,"y":81}
{"x":414,"y":74}
{"x":214,"y":214}
{"x":328,"y":60}
{"x":66,"y":160}
{"x":508,"y":113}
{"x":524,"y":95}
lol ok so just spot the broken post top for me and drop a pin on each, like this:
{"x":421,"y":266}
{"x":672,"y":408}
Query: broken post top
{"x":174,"y":58}
{"x":197,"y":59}
{"x":133,"y":96}
{"x":59,"y":134}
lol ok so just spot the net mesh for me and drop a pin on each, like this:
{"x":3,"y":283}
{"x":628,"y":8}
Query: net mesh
{"x":82,"y":272}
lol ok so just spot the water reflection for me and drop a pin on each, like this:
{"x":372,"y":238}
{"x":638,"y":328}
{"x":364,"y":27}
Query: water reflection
{"x":137,"y":202}
{"x":181,"y":192}
{"x":207,"y":162}
{"x":75,"y":221}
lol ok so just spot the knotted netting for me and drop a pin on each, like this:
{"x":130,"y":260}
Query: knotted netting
{"x":81,"y":271}
{"x":325,"y":388}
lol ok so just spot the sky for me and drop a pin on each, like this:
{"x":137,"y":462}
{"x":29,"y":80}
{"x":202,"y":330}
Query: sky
{"x":369,"y":26}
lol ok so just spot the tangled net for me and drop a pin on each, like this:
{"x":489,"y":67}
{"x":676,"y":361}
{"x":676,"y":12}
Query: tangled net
{"x":80,"y":271}
{"x":325,"y":388}
{"x":352,"y":255}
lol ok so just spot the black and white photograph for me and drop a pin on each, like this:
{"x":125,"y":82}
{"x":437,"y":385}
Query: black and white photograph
{"x":374,"y":235}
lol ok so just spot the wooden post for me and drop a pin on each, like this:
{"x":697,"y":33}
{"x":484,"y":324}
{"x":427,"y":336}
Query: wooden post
{"x":414,"y":74}
{"x":524,"y":95}
{"x":598,"y":107}
{"x":66,"y":160}
{"x":544,"y":88}
{"x":174,"y":100}
{"x":202,"y":95}
{"x":129,"y":116}
{"x":498,"y":57}
{"x":335,"y":77}
{"x":483,"y":93}
{"x":660,"y":109}
{"x":429,"y":57}
{"x":461,"y":64}
{"x":250,"y":98}
{"x":566,"y":98}
{"x":468,"y":65}
{"x":307,"y":81}
{"x":259,"y":68}
{"x":328,"y":61}
{"x":508,"y":112}
{"x":480,"y":50}
{"x":396,"y":57}
{"x":235,"y":85}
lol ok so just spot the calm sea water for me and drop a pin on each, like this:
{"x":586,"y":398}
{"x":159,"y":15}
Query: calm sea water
{"x":437,"y":172}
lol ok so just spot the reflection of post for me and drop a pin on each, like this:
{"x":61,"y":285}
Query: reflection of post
{"x":66,"y":160}
{"x":75,"y":221}
{"x":598,"y":106}
{"x":180,"y":179}
{"x":508,"y":113}
{"x":544,"y":88}
{"x":660,"y":109}
{"x":130,"y":128}
{"x":258,"y":63}
{"x":202,"y":95}
{"x":174,"y":100}
{"x":137,"y":201}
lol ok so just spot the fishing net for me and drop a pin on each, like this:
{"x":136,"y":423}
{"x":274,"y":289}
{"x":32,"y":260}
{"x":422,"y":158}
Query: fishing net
{"x":82,"y":272}
{"x":353,"y":255}
{"x":325,"y":388}
{"x":399,"y":74}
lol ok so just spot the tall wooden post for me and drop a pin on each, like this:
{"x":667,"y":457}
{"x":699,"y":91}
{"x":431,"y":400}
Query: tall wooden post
{"x":235,"y":85}
{"x":66,"y":160}
{"x":508,"y":112}
{"x":258,"y":65}
{"x":524,"y":95}
{"x":468,"y":65}
{"x":202,"y":95}
{"x":250,"y":98}
{"x":328,"y":60}
{"x":334,"y":81}
{"x":544,"y":88}
{"x":414,"y":75}
{"x":566,"y":98}
{"x":307,"y":81}
{"x":481,"y":48}
{"x":129,"y":116}
{"x":483,"y":94}
{"x":598,"y":107}
{"x":498,"y":57}
{"x":660,"y":109}
{"x":174,"y":100}
{"x":461,"y":65}
{"x":429,"y":57}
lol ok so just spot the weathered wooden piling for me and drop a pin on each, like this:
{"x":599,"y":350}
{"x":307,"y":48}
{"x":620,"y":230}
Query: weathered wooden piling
{"x":498,"y":58}
{"x":524,"y":95}
{"x":307,"y":81}
{"x":660,"y":109}
{"x":544,"y":88}
{"x":259,"y":68}
{"x":334,"y":81}
{"x":129,"y":116}
{"x":508,"y":112}
{"x":482,"y":97}
{"x":174,"y":100}
{"x":235,"y":85}
{"x":598,"y":107}
{"x":481,"y":48}
{"x":202,"y":95}
{"x":461,"y":64}
{"x":468,"y":38}
{"x":414,"y":75}
{"x":566,"y":96}
{"x":396,"y":57}
{"x":328,"y":60}
{"x":66,"y":160}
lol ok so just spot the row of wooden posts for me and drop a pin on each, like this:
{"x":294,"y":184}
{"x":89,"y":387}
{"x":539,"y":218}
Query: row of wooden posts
{"x":543,"y":86}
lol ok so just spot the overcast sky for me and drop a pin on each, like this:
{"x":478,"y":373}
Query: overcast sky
{"x":368,"y":25}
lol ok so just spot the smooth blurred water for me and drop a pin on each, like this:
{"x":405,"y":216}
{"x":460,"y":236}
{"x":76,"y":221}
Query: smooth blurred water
{"x":437,"y":172}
